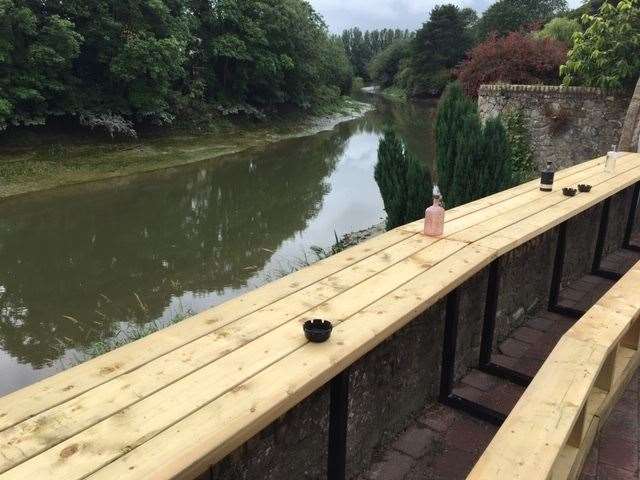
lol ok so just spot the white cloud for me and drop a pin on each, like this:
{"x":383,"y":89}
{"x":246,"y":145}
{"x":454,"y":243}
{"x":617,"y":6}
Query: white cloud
{"x":372,"y":14}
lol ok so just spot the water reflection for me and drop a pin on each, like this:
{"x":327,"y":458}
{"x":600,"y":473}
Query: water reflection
{"x":79,"y":263}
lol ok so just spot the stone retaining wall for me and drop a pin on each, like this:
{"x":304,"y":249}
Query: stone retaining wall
{"x":393,"y":382}
{"x":567,"y":124}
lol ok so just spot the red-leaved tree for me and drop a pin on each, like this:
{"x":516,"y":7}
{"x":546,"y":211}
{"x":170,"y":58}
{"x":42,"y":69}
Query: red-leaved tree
{"x":516,"y":59}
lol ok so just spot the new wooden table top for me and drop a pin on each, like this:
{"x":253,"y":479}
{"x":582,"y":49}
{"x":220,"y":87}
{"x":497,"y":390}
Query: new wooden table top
{"x":168,"y":405}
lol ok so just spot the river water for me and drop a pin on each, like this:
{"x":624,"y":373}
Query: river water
{"x":85,"y":265}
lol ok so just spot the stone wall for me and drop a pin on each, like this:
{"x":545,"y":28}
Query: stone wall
{"x":392,"y":383}
{"x":567,"y":124}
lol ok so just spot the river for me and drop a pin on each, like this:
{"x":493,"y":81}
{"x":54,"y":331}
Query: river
{"x":88,"y":264}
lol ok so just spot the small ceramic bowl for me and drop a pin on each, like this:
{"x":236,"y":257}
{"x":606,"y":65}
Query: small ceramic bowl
{"x":317,"y":330}
{"x":584,"y":187}
{"x":569,"y":192}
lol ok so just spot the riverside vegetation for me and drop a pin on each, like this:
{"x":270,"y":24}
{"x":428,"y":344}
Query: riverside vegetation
{"x":249,"y":69}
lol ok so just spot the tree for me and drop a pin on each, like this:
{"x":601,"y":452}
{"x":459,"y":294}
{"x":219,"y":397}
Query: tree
{"x":384,"y":67}
{"x":438,"y":47}
{"x":36,"y":55}
{"x":362,"y":47}
{"x":605,"y":54}
{"x":404,"y":182}
{"x":472,"y":160}
{"x":454,"y":107}
{"x":117,"y":64}
{"x":561,"y":29}
{"x":465,"y":182}
{"x":495,"y":172}
{"x":515,"y":58}
{"x":506,"y":16}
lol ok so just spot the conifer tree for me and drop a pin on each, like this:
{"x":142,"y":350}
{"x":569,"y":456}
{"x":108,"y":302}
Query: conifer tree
{"x":495,"y":169}
{"x":465,"y":184}
{"x":472,"y":161}
{"x":404,"y":182}
{"x":419,"y":188}
{"x":453,"y":107}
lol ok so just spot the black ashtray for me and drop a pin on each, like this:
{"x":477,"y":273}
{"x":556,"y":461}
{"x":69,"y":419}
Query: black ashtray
{"x":584,"y":187}
{"x":569,"y":192}
{"x":317,"y":330}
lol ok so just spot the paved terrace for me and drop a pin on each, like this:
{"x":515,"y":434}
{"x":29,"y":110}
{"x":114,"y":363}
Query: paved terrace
{"x":174,"y":403}
{"x":444,"y":443}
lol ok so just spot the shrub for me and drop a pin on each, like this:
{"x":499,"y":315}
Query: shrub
{"x":473,"y":161}
{"x":453,"y":108}
{"x":385,"y":65}
{"x":404,"y":182}
{"x":561,"y":29}
{"x":521,"y":163}
{"x":515,"y":58}
{"x":494,"y":172}
{"x":605,"y":54}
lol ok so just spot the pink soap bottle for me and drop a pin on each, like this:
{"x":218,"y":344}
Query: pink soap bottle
{"x":434,"y":215}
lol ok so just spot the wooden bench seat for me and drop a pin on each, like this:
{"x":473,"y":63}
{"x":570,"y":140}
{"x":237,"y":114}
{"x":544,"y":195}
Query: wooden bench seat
{"x":172,"y":403}
{"x":551,"y":429}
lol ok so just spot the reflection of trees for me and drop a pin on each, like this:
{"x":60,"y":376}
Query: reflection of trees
{"x":414,"y":122}
{"x":71,"y":268}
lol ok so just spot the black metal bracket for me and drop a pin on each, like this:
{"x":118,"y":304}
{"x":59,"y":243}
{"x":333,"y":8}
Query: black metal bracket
{"x":447,"y":373}
{"x":338,"y":416}
{"x":596,"y":269}
{"x":488,"y":332}
{"x":631,"y":220}
{"x":556,"y":279}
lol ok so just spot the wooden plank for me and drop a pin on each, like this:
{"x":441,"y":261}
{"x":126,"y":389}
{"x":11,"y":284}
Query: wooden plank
{"x":280,"y":385}
{"x":541,"y":205}
{"x":541,"y":422}
{"x":519,"y":233}
{"x":513,"y":197}
{"x":259,"y":336}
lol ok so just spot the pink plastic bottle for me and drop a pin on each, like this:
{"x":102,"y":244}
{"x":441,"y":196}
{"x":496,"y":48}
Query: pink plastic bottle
{"x":434,"y":216}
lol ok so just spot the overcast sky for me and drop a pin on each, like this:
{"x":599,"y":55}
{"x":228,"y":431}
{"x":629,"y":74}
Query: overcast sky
{"x":372,"y":14}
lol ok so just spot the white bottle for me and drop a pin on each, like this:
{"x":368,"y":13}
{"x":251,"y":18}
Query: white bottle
{"x":610,"y":162}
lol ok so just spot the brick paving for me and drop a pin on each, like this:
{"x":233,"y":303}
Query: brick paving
{"x":443,"y":443}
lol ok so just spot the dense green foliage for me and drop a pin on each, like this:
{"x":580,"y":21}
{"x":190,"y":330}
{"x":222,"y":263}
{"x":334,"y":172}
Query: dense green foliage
{"x":561,"y":29}
{"x":361,"y":47}
{"x":454,"y":107}
{"x":385,"y":65}
{"x":115,"y":63}
{"x":473,"y":160}
{"x":506,"y":16}
{"x":404,"y":182}
{"x":605,"y":54}
{"x":520,"y":147}
{"x":438,"y":47}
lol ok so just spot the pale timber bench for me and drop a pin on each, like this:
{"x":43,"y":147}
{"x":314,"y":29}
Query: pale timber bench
{"x":173,"y":403}
{"x":551,"y":429}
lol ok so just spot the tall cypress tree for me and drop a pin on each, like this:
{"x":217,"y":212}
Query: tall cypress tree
{"x":466,"y":184}
{"x":404,"y":182}
{"x":472,"y":161}
{"x":495,"y":168}
{"x":453,"y":108}
{"x":419,"y":188}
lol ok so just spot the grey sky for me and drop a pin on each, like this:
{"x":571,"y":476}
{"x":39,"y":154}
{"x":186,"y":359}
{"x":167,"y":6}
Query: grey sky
{"x":372,"y":14}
